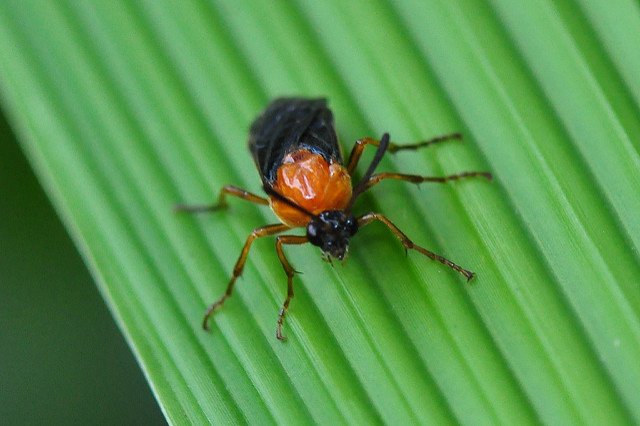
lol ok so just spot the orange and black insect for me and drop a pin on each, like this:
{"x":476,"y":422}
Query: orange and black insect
{"x":296,"y":150}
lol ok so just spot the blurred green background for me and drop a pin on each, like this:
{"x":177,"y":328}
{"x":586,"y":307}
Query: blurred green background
{"x":62,"y":358}
{"x":126,"y":108}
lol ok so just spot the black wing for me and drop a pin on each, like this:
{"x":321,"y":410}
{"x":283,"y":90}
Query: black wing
{"x":289,"y":124}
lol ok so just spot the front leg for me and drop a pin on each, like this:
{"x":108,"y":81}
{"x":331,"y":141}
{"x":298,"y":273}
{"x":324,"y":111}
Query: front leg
{"x":288,"y":269}
{"x":408,"y":244}
{"x":237,"y":269}
{"x":360,"y":144}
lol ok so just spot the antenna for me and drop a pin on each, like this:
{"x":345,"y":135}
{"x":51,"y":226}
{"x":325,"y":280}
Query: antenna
{"x":362,"y":185}
{"x":275,"y":194}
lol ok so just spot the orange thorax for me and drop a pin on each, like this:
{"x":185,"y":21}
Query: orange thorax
{"x":309,"y":181}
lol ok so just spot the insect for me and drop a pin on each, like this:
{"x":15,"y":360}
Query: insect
{"x":296,"y":150}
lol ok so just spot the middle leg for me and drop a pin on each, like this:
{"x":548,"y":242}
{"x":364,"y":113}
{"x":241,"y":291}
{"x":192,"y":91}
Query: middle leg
{"x":288,"y":269}
{"x":222,"y":200}
{"x":375,"y":179}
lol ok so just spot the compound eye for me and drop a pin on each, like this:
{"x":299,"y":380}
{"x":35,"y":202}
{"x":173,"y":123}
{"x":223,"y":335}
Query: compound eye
{"x":312,"y":234}
{"x":352,"y":225}
{"x":311,"y":230}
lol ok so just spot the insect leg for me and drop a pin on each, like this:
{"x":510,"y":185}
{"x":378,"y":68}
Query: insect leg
{"x":239,"y":266}
{"x":408,"y":244}
{"x":428,"y":142}
{"x":357,"y":149}
{"x":222,"y":200}
{"x":288,"y":269}
{"x":356,"y":152}
{"x":375,"y":179}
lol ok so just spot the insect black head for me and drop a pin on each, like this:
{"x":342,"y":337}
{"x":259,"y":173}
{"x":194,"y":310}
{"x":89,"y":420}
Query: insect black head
{"x":331,"y":231}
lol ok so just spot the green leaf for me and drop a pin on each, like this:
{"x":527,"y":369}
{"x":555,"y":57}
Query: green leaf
{"x":127,"y":108}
